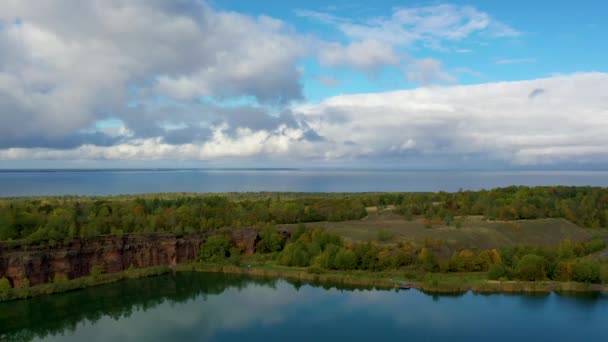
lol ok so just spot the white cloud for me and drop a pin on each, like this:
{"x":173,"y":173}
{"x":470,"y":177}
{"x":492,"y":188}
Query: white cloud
{"x":244,"y":143}
{"x":367,"y":55}
{"x":426,"y":24}
{"x":428,"y":71}
{"x":380,"y":41}
{"x":65,"y":65}
{"x":490,"y":121}
{"x":479,"y":123}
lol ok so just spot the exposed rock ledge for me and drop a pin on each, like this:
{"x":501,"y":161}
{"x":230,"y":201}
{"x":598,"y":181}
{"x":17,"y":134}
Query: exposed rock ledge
{"x":39,"y":263}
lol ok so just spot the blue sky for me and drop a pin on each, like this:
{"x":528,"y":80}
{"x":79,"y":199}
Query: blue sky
{"x":556,"y":37}
{"x":404,"y":84}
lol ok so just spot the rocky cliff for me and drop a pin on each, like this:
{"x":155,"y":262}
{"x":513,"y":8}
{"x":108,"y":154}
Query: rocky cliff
{"x":39,"y":263}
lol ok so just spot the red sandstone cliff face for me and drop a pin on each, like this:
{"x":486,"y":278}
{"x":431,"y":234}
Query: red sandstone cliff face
{"x":75,"y":258}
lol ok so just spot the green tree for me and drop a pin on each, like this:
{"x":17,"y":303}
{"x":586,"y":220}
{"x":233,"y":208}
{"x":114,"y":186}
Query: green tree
{"x":531,"y":267}
{"x":467,"y":261}
{"x":8,"y":230}
{"x":595,"y":245}
{"x":586,"y":271}
{"x":270,"y":241}
{"x":497,"y":271}
{"x":367,"y":256}
{"x":427,"y":260}
{"x":565,"y":250}
{"x":326,"y":259}
{"x":295,"y":254}
{"x":299,"y":231}
{"x":324,"y":238}
{"x":215,"y":249}
{"x":345,"y":259}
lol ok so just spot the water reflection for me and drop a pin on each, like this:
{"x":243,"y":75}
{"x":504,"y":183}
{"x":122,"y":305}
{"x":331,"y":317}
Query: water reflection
{"x":197,"y":306}
{"x":139,"y":304}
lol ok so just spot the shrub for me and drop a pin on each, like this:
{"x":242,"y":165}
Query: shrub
{"x":367,"y":255}
{"x":4,"y":284}
{"x":345,"y":260}
{"x":385,"y":236}
{"x":327,"y":258}
{"x":595,"y":245}
{"x":315,"y":269}
{"x":295,"y":254}
{"x":604,"y":274}
{"x":565,"y":250}
{"x":445,"y":265}
{"x":497,"y":271}
{"x":299,"y":231}
{"x":215,"y":249}
{"x":586,"y":271}
{"x":270,"y":241}
{"x":467,"y":261}
{"x":531,"y":267}
{"x":324,"y":238}
{"x":117,"y":232}
{"x":60,"y":279}
{"x":565,"y":270}
{"x":235,"y":256}
{"x":96,"y":270}
{"x":427,"y":260}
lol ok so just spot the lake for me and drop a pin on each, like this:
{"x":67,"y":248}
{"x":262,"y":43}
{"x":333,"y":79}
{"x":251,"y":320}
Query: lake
{"x":112,"y":182}
{"x":218,"y":307}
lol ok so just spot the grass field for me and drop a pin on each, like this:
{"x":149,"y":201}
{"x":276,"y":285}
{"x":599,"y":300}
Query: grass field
{"x":474,"y":232}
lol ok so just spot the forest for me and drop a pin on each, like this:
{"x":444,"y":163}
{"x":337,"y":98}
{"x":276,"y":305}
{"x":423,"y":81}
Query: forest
{"x":320,"y":250}
{"x":56,"y":218}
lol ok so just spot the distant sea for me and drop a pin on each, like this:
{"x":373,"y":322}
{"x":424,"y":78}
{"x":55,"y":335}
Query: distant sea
{"x":140,"y":181}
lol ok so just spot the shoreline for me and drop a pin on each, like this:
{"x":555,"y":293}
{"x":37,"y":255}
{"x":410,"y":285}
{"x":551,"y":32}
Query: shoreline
{"x":80,"y":283}
{"x":432,"y":283}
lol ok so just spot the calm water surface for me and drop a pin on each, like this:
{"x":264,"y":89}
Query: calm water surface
{"x":215,"y":307}
{"x":28,"y":183}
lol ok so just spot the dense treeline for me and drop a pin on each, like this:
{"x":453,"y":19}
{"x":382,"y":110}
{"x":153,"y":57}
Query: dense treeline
{"x":586,"y":206}
{"x":57,"y":218}
{"x":565,"y":262}
{"x":320,"y":250}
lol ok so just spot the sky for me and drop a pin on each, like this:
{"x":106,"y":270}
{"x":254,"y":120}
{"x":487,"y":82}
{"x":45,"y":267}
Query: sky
{"x":226,"y":83}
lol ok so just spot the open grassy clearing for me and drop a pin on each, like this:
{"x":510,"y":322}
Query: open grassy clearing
{"x":475,"y":231}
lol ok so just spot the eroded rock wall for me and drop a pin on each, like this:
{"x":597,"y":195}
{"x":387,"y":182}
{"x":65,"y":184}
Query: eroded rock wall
{"x":39,"y":263}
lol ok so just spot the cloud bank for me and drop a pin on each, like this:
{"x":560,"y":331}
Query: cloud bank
{"x":181,"y":80}
{"x":66,"y":65}
{"x":544,"y":121}
{"x":566,"y":122}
